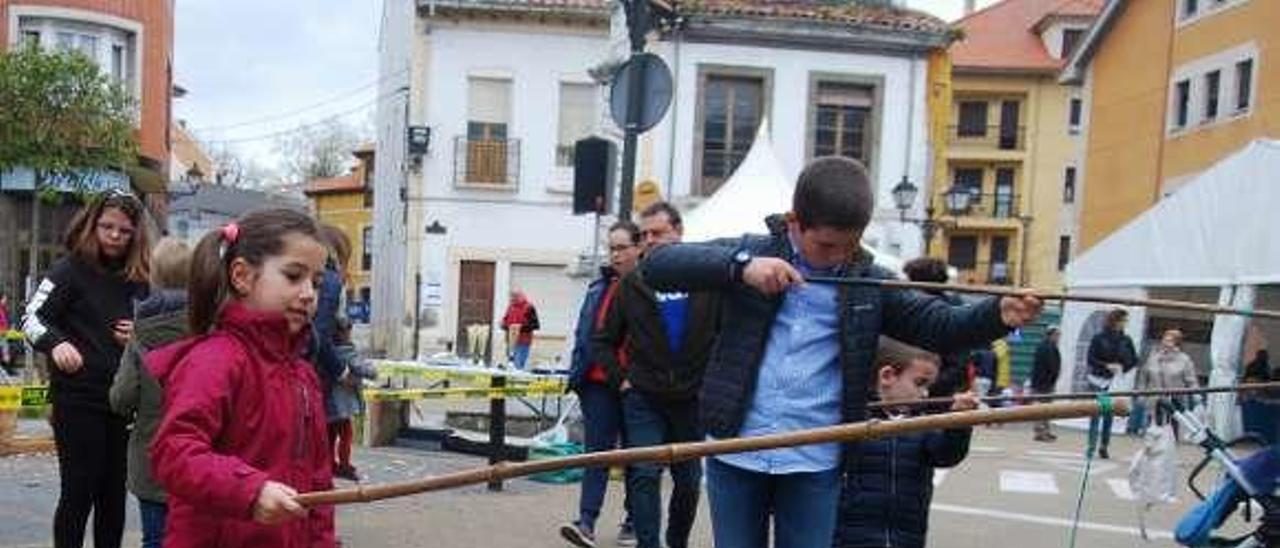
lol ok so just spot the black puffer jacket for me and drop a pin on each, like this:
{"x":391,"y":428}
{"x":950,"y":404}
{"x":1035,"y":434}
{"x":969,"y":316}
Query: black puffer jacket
{"x":888,"y":484}
{"x":1111,"y":347}
{"x":79,"y":303}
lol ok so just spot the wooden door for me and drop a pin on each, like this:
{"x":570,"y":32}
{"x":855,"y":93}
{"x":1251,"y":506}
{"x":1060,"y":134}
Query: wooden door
{"x":475,"y":299}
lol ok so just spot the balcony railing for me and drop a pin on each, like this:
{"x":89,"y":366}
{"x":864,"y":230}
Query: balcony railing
{"x":987,"y":205}
{"x":486,"y":162}
{"x":986,"y":272}
{"x":991,"y":136}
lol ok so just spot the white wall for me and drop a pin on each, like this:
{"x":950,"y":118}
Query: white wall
{"x":789,"y":118}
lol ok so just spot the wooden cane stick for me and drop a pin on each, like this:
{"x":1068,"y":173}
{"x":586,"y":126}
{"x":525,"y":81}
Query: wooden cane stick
{"x":1252,"y":387}
{"x":677,"y":452}
{"x":1047,"y":295}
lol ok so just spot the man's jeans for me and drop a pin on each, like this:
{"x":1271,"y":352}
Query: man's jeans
{"x":803,"y":507}
{"x":520,"y":356}
{"x":651,"y":422}
{"x":153,"y":515}
{"x":602,"y":422}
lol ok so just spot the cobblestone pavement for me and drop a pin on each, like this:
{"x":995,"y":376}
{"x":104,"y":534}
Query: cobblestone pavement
{"x":1009,"y":490}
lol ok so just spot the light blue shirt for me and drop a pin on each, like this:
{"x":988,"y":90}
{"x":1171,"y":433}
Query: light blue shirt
{"x":799,"y":384}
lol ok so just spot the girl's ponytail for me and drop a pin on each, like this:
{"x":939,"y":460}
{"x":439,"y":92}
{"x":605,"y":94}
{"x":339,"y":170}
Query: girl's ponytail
{"x":254,"y":237}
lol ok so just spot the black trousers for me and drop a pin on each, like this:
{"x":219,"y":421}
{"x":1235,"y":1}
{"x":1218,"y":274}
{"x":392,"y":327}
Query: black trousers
{"x":92,"y":448}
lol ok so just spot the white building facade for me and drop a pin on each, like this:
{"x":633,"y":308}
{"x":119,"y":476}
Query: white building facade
{"x":506,"y":88}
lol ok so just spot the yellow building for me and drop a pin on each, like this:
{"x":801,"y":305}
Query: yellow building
{"x":346,"y":202}
{"x":1173,"y":87}
{"x":1012,"y":144}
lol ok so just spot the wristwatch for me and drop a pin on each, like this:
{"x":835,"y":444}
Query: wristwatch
{"x":739,"y":265}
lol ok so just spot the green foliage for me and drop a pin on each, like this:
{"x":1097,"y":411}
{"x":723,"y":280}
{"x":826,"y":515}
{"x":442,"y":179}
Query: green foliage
{"x":60,"y":115}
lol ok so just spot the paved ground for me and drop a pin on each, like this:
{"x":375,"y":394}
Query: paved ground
{"x":1009,"y":490}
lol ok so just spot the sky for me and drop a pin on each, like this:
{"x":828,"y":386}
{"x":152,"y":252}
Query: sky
{"x":256,"y":69}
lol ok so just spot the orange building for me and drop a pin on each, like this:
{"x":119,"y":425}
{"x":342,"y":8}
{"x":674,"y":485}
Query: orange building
{"x":132,"y":41}
{"x":1171,"y":88}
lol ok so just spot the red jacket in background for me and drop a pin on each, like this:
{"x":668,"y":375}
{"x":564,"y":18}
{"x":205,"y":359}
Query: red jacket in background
{"x":241,"y":407}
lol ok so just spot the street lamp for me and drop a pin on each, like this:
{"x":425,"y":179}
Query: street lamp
{"x":956,"y":199}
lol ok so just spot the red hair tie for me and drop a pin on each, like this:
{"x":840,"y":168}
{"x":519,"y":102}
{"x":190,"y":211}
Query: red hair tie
{"x":230,"y":233}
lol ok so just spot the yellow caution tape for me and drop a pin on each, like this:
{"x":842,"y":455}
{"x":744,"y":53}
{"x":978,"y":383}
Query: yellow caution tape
{"x":13,"y":398}
{"x":441,"y":373}
{"x":413,"y":394}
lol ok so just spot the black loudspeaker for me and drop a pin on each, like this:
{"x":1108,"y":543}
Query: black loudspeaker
{"x":594,"y":169}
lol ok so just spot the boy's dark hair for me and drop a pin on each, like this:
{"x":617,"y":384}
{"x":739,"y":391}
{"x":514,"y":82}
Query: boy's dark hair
{"x":1116,"y":316}
{"x":926,"y":269}
{"x":82,"y":235}
{"x":630,"y":228}
{"x":898,"y":355}
{"x":833,"y":192}
{"x":338,"y":243}
{"x":260,"y":235}
{"x":673,"y":214}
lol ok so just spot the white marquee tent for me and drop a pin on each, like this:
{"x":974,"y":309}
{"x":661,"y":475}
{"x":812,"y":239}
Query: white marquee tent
{"x":758,"y":188}
{"x":1218,"y":231}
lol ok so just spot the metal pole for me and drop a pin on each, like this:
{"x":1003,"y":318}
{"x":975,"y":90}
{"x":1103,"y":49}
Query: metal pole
{"x":497,"y":428}
{"x":638,"y":26}
{"x":33,"y":258}
{"x":417,"y":310}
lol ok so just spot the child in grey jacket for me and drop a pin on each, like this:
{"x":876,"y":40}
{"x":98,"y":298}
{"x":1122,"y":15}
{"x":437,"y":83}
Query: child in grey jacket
{"x":346,"y":400}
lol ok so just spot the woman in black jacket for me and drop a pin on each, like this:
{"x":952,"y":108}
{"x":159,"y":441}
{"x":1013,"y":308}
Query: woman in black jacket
{"x":81,"y":317}
{"x":1111,"y":353}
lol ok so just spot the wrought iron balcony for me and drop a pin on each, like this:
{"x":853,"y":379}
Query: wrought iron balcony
{"x":486,"y":162}
{"x":987,"y":136}
{"x":987,"y":205}
{"x":986,"y":272}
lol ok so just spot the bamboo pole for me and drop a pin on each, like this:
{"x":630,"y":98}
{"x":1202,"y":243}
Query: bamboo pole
{"x":1046,"y":295}
{"x":1252,"y":387}
{"x":852,"y":432}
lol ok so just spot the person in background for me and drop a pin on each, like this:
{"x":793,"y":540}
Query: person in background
{"x":1260,"y":409}
{"x":520,"y":321}
{"x":984,"y":365}
{"x":329,"y":310}
{"x":888,"y":483}
{"x":654,"y":346}
{"x":157,"y":321}
{"x":601,"y":404}
{"x":952,"y":377}
{"x":6,"y":356}
{"x":346,"y":399}
{"x":1167,"y":367}
{"x":81,"y":316}
{"x":1111,"y":353}
{"x":1044,"y":376}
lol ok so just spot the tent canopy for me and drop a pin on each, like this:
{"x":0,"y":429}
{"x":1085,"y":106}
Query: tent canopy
{"x":1214,"y":231}
{"x":758,"y":188}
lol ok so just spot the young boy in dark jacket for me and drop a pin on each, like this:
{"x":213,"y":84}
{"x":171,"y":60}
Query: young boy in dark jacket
{"x":888,"y":482}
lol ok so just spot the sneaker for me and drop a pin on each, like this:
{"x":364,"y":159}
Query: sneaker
{"x":578,"y":535}
{"x":627,"y":535}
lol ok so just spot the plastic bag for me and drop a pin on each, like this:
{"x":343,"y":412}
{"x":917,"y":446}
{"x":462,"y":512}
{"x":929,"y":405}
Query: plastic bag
{"x":1153,"y":470}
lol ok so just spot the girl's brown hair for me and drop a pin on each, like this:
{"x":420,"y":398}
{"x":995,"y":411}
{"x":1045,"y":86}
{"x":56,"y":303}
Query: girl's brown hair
{"x":82,"y":236}
{"x":170,"y":263}
{"x":254,"y":238}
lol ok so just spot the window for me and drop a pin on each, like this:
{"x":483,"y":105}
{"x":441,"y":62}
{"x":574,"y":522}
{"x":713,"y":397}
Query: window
{"x":962,"y":252}
{"x":368,"y":196}
{"x":999,"y":273}
{"x":840,"y":127}
{"x":1069,"y":185}
{"x":1190,"y":7}
{"x":1244,"y":84}
{"x":577,"y":116}
{"x":1075,"y":114}
{"x":366,"y":295}
{"x":1070,"y":38}
{"x":1181,"y":103}
{"x":970,"y":178}
{"x":1064,"y":252}
{"x":66,"y":41}
{"x":973,"y":119}
{"x":732,"y":107}
{"x":488,"y":113}
{"x":31,"y":37}
{"x":1004,"y":193}
{"x":366,"y":249}
{"x":117,"y":62}
{"x":1212,"y":82}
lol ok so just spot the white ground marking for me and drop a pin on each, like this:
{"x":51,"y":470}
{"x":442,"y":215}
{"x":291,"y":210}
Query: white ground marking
{"x":1019,"y":481}
{"x":1120,"y":486}
{"x":1047,"y":520}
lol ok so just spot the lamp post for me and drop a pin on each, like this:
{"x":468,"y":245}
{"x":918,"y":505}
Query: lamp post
{"x":957,"y":202}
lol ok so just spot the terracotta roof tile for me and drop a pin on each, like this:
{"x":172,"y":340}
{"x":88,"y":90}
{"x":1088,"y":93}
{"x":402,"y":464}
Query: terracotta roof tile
{"x":846,"y":13}
{"x":341,"y":183}
{"x":1001,"y":37}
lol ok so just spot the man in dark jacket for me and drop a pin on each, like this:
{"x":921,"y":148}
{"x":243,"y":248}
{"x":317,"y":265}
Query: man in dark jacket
{"x":667,"y":337}
{"x":1111,"y":353}
{"x":1044,"y":375}
{"x":601,"y":403}
{"x":792,"y":355}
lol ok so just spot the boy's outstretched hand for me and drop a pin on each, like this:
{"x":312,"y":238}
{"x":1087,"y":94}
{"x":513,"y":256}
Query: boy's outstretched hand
{"x":1019,"y":311}
{"x":965,"y":401}
{"x":770,"y":275}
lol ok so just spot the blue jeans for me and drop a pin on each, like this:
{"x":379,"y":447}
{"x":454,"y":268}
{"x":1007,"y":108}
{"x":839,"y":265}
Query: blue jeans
{"x":602,"y":421}
{"x":520,"y":355}
{"x":153,"y":517}
{"x":651,"y":422}
{"x":1104,"y":429}
{"x":803,"y":506}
